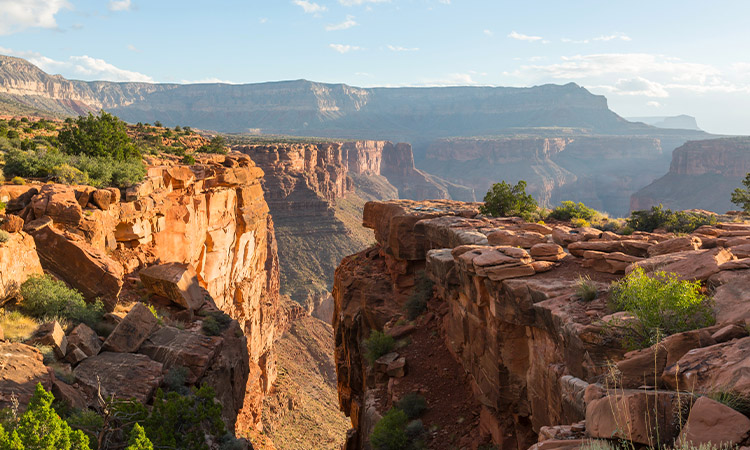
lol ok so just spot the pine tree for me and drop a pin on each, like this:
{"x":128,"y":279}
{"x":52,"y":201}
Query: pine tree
{"x":138,"y":439}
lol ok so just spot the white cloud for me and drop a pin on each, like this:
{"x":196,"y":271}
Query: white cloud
{"x":453,"y":79}
{"x":524,"y":37}
{"x":653,"y":104}
{"x":611,"y":37}
{"x":640,"y":86}
{"x":133,"y":48}
{"x":348,"y":23}
{"x":445,"y":2}
{"x":120,"y":5}
{"x":343,"y":48}
{"x":263,"y":20}
{"x":361,"y":2}
{"x":210,"y":80}
{"x":18,"y":15}
{"x":309,"y":7}
{"x":402,"y":49}
{"x":80,"y":67}
{"x":488,"y":33}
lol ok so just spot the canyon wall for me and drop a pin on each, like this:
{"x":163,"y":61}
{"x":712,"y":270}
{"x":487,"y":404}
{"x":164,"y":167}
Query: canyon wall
{"x":541,"y":361}
{"x":600,"y":171}
{"x":210,"y":217}
{"x":702,"y":175}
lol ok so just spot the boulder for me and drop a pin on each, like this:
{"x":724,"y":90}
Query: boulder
{"x":51,"y":334}
{"x":397,"y":368}
{"x":382,"y":363}
{"x":636,"y":415}
{"x":725,"y":366}
{"x":615,"y":262}
{"x":102,"y":198}
{"x":129,"y":334}
{"x":688,"y":265}
{"x":177,"y":282}
{"x":21,"y":368}
{"x":629,"y":247}
{"x":710,"y":422}
{"x":679,"y":244}
{"x":68,"y":394}
{"x":83,"y":194}
{"x":729,"y":332}
{"x":523,"y":239}
{"x":59,"y":203}
{"x":173,"y":347}
{"x":85,"y":339}
{"x":18,"y":261}
{"x":547,"y":252}
{"x":732,"y":301}
{"x":84,"y":267}
{"x":122,"y":375}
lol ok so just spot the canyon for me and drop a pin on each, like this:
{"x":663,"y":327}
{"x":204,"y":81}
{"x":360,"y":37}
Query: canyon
{"x":546,"y":368}
{"x":702,"y":175}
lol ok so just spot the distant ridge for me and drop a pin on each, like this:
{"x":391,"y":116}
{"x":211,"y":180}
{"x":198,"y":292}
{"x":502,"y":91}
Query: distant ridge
{"x":681,"y":122}
{"x":307,"y":108}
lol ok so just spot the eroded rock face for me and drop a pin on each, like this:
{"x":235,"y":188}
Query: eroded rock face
{"x":114,"y":373}
{"x":21,"y":368}
{"x":18,"y":261}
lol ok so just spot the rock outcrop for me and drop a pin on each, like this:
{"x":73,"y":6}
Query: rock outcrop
{"x":538,"y":356}
{"x":702,"y":175}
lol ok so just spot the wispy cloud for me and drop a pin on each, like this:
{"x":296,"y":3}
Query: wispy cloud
{"x":133,"y":48}
{"x":344,"y":48}
{"x":120,"y":5}
{"x":603,"y":38}
{"x":396,"y":48}
{"x":361,"y":2}
{"x":488,"y":33}
{"x":345,"y":25}
{"x":18,"y":15}
{"x":524,"y":37}
{"x":309,"y":7}
{"x":653,"y":104}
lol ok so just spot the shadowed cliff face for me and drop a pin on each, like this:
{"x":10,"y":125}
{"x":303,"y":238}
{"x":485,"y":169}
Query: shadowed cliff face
{"x":702,"y":175}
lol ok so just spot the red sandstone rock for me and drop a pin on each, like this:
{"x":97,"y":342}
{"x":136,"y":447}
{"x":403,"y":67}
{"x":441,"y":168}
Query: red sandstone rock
{"x":688,"y":265}
{"x":675,"y":245}
{"x":731,"y":301}
{"x":11,"y":223}
{"x":21,"y":368}
{"x":177,"y":282}
{"x":85,"y":339}
{"x":59,"y":203}
{"x":123,"y":375}
{"x":721,"y":366}
{"x":102,"y":198}
{"x":547,"y":252}
{"x":173,"y":347}
{"x":51,"y":334}
{"x":18,"y":261}
{"x":132,"y":331}
{"x":710,"y":422}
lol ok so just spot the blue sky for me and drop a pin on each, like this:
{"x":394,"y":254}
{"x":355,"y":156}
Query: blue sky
{"x":647,"y":57}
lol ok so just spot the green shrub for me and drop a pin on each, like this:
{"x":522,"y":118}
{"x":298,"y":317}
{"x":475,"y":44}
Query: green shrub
{"x":580,"y":223}
{"x":48,"y":299}
{"x":741,"y":197}
{"x":413,"y":404}
{"x":390,"y":431}
{"x":188,"y":159}
{"x":422,"y":292}
{"x":663,"y":305}
{"x":377,"y":345}
{"x":676,"y":222}
{"x":217,"y":145}
{"x":4,"y":236}
{"x":414,"y":430}
{"x":41,"y":428}
{"x":138,"y":439}
{"x":176,"y":378}
{"x":506,"y":200}
{"x":103,"y":136}
{"x":738,"y":401}
{"x":215,"y":322}
{"x":586,"y":289}
{"x":67,"y":174}
{"x":18,"y":181}
{"x":571,"y":210}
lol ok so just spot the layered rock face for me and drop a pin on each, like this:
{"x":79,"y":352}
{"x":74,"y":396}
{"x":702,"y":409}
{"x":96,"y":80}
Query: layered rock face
{"x":537,"y":355}
{"x":599,"y":171}
{"x":702,"y":175}
{"x":210,"y":216}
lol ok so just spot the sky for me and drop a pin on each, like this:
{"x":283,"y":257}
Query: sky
{"x":649,"y":58}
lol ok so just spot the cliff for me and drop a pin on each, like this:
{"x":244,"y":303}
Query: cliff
{"x":208,"y":226}
{"x":702,"y":175}
{"x":538,"y":358}
{"x":601,"y":171}
{"x":306,"y":108}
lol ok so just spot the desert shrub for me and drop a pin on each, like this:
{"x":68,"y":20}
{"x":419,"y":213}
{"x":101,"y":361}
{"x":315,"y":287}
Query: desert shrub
{"x":104,"y":136}
{"x":738,"y":401}
{"x":229,"y":442}
{"x":677,"y":222}
{"x":390,"y":431}
{"x":41,"y":428}
{"x":2,"y":204}
{"x":47,"y":298}
{"x":215,"y":322}
{"x":377,"y":345}
{"x":741,"y":196}
{"x":216,"y":145}
{"x":188,"y":159}
{"x":580,"y":223}
{"x":67,"y":174}
{"x":85,"y":420}
{"x":586,"y":289}
{"x":176,"y":378}
{"x":417,"y":302}
{"x":183,"y":421}
{"x":663,"y":305}
{"x":572,"y":210}
{"x":12,"y":134}
{"x":18,"y":181}
{"x":414,"y":429}
{"x":413,"y":404}
{"x":505,"y":200}
{"x":138,"y":439}
{"x":4,"y":236}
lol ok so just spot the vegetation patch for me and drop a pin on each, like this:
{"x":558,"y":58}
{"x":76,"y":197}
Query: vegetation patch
{"x":571,"y":210}
{"x":17,"y":326}
{"x":46,"y":298}
{"x":676,"y":222}
{"x":662,"y":304}
{"x":417,"y":302}
{"x":741,"y":196}
{"x":505,"y":200}
{"x":377,"y":345}
{"x":586,"y":289}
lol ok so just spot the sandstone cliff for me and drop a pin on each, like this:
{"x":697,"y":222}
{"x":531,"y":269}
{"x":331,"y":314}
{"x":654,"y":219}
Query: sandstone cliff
{"x":702,"y":175}
{"x":537,"y":356}
{"x":600,"y":171}
{"x":210,"y":218}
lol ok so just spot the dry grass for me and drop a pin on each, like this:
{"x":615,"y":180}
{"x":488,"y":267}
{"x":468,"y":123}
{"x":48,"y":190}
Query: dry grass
{"x":16,"y":325}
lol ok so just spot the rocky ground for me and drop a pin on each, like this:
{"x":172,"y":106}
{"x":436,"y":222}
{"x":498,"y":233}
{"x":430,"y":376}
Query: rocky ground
{"x":544,"y":367}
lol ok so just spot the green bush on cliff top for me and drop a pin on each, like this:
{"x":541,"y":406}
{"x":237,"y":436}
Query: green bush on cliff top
{"x":505,"y":200}
{"x":676,"y":222}
{"x":741,"y":197}
{"x":47,"y":298}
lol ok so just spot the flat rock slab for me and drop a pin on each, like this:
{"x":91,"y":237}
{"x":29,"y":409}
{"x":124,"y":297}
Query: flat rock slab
{"x":84,"y":338}
{"x":124,"y":375}
{"x":21,"y":368}
{"x":173,"y":348}
{"x":177,"y":282}
{"x":129,"y":334}
{"x":710,"y":422}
